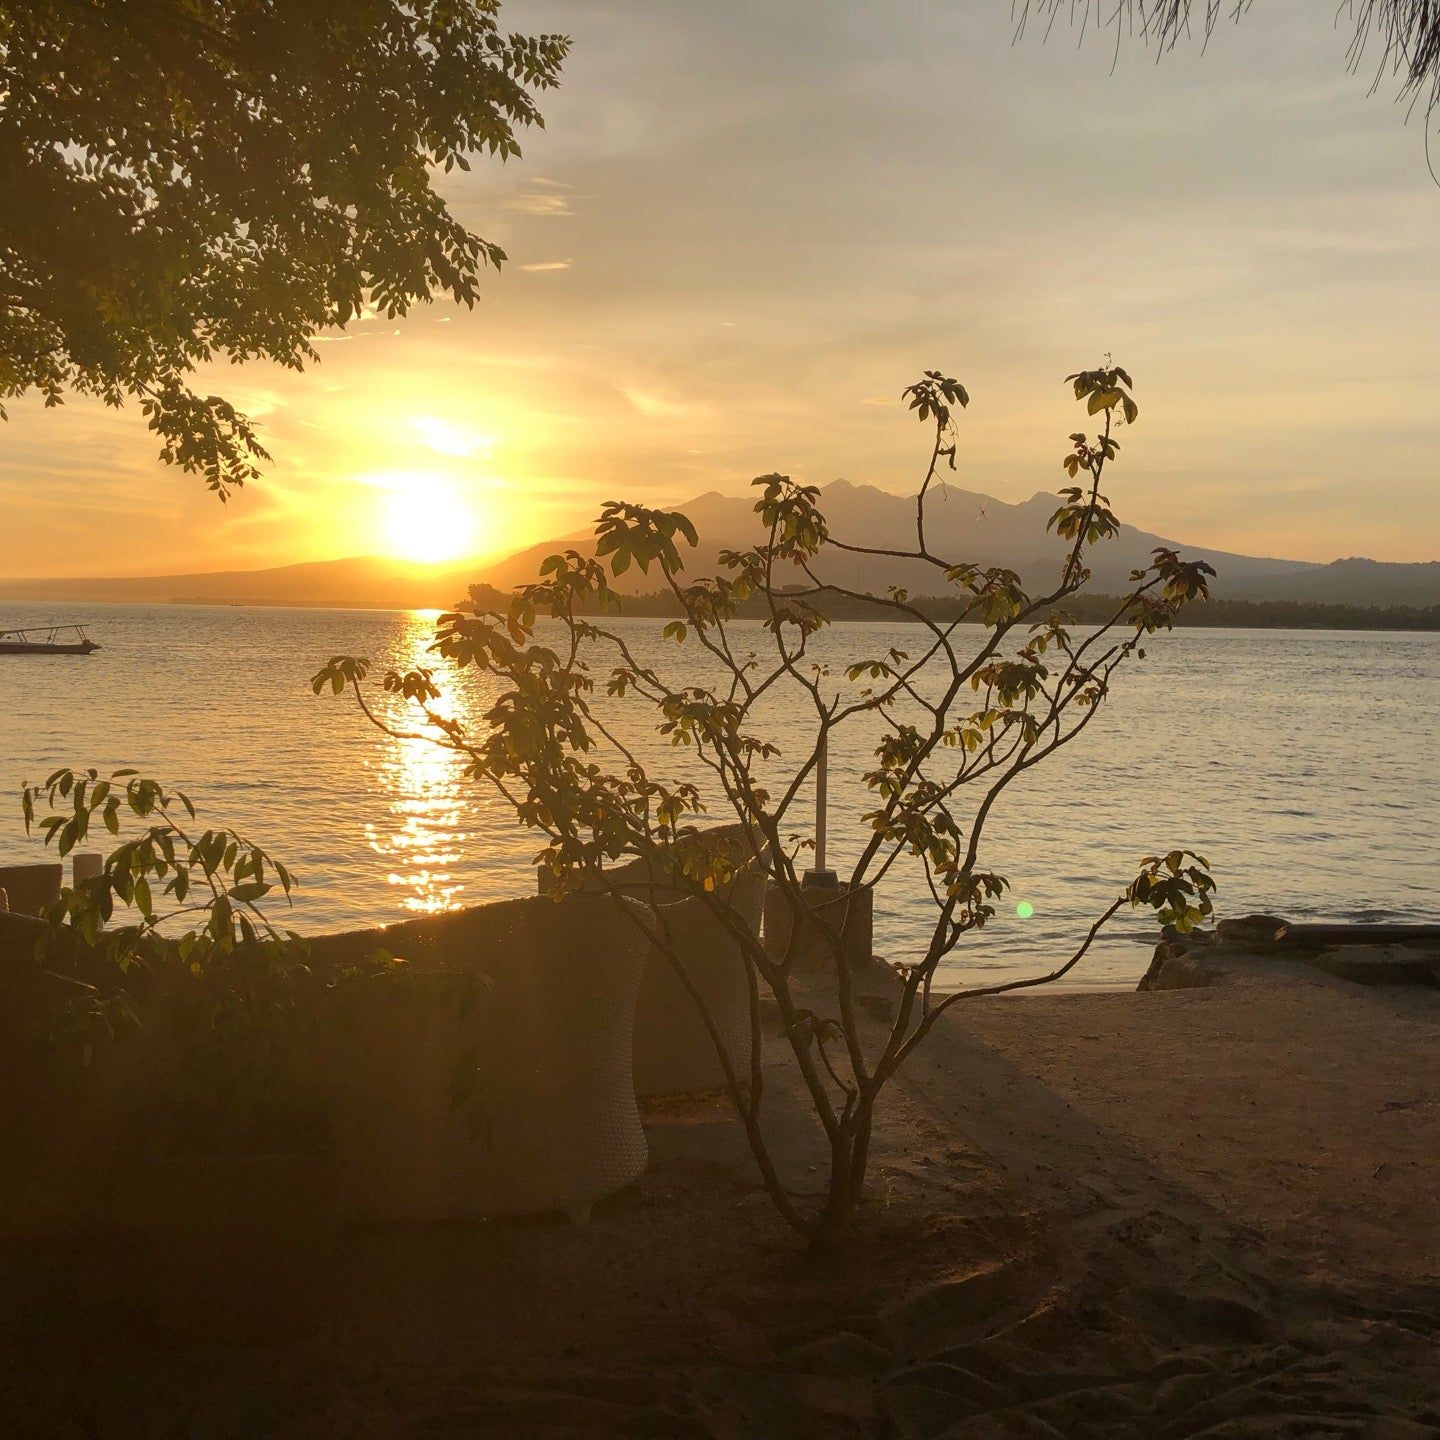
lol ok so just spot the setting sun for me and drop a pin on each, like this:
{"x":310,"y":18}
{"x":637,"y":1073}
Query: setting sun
{"x":424,"y":519}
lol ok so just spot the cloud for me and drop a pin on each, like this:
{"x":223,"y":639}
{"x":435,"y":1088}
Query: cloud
{"x":446,"y":437}
{"x":653,"y":407}
{"x":256,"y":403}
{"x":540,"y":266}
{"x":538,"y":202}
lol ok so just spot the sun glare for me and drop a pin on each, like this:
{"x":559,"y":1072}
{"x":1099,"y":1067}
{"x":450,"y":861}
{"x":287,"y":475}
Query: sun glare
{"x":445,"y":437}
{"x":425,"y":520}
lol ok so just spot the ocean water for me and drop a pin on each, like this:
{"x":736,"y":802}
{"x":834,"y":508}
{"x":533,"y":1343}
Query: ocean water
{"x":1302,"y":763}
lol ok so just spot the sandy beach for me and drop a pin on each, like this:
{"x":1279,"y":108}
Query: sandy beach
{"x":1181,"y":1213}
{"x":1300,"y":1106}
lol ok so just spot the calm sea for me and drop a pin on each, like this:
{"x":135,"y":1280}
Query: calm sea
{"x":1304,"y":764}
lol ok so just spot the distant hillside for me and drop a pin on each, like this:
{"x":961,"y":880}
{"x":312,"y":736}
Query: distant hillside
{"x":1092,"y":607}
{"x":959,"y":523}
{"x":363,"y":582}
{"x":972,"y":526}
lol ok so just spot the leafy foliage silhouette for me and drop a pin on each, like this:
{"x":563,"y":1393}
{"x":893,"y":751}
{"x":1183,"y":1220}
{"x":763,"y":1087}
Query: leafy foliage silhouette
{"x":111,"y":945}
{"x":191,"y":179}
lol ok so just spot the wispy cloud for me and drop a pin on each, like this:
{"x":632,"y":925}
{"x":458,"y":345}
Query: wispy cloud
{"x":540,"y":266}
{"x":448,"y":437}
{"x":539,"y":202}
{"x":653,"y":406}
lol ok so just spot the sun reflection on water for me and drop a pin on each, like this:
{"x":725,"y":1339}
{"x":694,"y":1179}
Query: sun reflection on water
{"x":423,"y":839}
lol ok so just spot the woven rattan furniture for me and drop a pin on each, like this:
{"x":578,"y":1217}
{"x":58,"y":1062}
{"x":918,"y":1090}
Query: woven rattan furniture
{"x":674,"y":1051}
{"x":488,"y":1073}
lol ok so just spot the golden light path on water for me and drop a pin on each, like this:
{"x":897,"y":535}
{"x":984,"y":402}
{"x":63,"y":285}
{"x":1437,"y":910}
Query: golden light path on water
{"x":424,"y":838}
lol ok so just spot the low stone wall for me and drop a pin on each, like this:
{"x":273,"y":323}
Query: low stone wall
{"x":27,"y":889}
{"x":1379,"y":954}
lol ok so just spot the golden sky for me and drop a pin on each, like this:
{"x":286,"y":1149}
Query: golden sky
{"x":748,"y":226}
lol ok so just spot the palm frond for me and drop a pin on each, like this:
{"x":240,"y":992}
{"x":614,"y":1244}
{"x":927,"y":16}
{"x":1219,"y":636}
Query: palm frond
{"x":1401,"y":37}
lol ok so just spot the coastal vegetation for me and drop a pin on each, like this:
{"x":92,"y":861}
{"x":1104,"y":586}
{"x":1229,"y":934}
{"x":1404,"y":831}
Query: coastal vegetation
{"x":176,"y":908}
{"x":169,"y":953}
{"x":1086,"y":608}
{"x":958,"y":720}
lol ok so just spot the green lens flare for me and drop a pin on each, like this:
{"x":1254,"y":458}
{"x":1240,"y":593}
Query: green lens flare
{"x":1024,"y":909}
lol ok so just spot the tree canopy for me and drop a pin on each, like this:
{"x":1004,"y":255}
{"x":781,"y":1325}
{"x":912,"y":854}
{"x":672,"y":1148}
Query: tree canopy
{"x":191,"y":179}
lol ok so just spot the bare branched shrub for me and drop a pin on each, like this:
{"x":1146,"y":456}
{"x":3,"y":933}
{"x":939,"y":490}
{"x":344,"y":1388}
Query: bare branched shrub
{"x":978,"y":702}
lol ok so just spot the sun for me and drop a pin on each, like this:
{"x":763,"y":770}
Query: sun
{"x":426,"y":521}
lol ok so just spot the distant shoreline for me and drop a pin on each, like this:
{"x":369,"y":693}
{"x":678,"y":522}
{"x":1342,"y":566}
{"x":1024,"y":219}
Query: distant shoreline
{"x":218,"y":604}
{"x":1088,"y":609}
{"x":1218,"y":614}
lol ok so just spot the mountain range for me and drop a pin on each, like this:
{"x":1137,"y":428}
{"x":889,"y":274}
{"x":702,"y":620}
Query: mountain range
{"x":367,"y":582}
{"x":960,"y":524}
{"x":966,"y":525}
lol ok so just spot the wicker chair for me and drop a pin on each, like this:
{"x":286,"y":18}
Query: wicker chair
{"x":490,"y":1074}
{"x":674,"y":1052}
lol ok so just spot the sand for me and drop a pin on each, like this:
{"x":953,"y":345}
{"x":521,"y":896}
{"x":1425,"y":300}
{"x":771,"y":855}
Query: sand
{"x":1300,"y":1106}
{"x":1186,"y":1213}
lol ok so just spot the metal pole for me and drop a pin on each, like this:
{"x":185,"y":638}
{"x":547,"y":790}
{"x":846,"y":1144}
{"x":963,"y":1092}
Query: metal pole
{"x":818,"y":876}
{"x":822,"y":785}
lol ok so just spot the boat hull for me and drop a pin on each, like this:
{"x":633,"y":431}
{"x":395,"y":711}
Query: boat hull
{"x":8,"y":647}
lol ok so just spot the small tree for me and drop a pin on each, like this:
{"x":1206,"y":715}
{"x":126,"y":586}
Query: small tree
{"x":190,"y":179}
{"x":203,"y":887}
{"x":551,"y":748}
